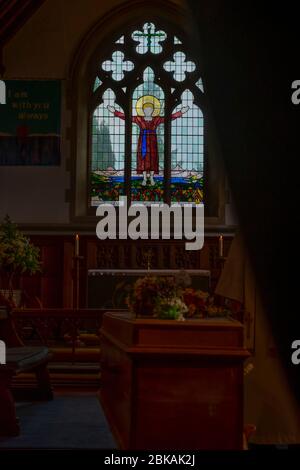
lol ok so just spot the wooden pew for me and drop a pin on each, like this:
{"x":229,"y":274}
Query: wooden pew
{"x":19,"y":358}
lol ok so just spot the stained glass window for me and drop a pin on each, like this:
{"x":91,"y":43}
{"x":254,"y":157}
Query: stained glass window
{"x":147,"y":120}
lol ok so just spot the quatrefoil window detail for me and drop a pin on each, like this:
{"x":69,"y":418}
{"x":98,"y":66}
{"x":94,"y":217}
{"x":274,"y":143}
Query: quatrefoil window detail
{"x":118,"y":65}
{"x":179,"y":66}
{"x":149,"y":39}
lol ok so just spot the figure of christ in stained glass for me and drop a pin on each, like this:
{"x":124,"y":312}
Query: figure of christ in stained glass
{"x":148,"y":119}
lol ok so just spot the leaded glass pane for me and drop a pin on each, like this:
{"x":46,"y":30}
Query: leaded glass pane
{"x":108,"y":150}
{"x":118,"y":65}
{"x":177,"y":41}
{"x":97,"y":83}
{"x":149,"y":39}
{"x":199,"y":84}
{"x":120,"y":40}
{"x":179,"y":66}
{"x":187,"y":153}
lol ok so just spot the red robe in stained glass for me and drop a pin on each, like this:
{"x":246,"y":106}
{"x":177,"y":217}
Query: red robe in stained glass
{"x":147,"y":151}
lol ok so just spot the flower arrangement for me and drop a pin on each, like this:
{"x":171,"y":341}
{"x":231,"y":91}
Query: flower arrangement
{"x":196,"y":302}
{"x":168,"y":298}
{"x":17,"y":254}
{"x":202,"y":305}
{"x":149,"y":293}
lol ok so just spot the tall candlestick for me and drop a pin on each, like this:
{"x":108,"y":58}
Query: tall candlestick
{"x":221,"y":246}
{"x":76,"y":244}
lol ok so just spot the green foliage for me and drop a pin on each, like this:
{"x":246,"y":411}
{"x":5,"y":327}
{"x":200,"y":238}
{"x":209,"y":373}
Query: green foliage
{"x":103,"y":155}
{"x":17,"y":254}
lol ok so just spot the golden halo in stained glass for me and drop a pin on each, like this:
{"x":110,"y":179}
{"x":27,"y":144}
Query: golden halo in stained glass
{"x":147,"y":99}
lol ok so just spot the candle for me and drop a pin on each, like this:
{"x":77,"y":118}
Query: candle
{"x":221,"y":246}
{"x":76,"y":244}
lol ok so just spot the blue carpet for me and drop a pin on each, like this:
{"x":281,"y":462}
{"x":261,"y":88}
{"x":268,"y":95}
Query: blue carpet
{"x":67,"y":422}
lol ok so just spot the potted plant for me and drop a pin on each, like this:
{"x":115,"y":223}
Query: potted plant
{"x":17,"y":256}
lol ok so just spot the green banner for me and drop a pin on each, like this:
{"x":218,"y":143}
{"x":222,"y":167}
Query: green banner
{"x":30,"y":123}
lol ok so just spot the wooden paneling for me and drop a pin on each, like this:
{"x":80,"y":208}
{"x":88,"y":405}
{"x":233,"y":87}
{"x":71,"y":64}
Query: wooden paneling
{"x":47,"y":285}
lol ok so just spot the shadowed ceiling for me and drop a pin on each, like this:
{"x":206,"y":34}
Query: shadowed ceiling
{"x":13,"y":15}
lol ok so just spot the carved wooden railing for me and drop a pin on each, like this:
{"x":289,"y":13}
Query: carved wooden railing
{"x":49,"y":324}
{"x":59,"y":328}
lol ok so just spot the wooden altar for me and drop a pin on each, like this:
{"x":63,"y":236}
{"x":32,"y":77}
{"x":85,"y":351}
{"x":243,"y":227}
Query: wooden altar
{"x":108,"y":288}
{"x":173,"y":385}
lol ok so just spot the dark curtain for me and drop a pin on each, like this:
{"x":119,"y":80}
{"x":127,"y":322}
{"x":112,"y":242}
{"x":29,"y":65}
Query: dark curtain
{"x":250,"y":58}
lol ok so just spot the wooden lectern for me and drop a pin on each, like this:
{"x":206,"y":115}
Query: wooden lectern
{"x":173,"y":385}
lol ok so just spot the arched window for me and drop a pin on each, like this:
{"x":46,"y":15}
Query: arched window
{"x":147,"y":117}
